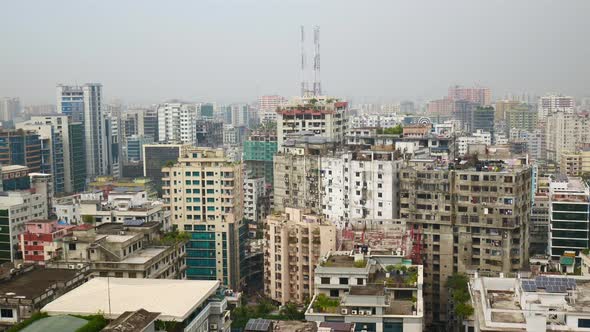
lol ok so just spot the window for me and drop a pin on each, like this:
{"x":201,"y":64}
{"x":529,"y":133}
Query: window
{"x":325,"y":281}
{"x":72,"y":246}
{"x":118,"y":274}
{"x":334,"y":293}
{"x":343,"y":281}
{"x":6,"y":313}
{"x":581,"y":322}
{"x":359,"y":281}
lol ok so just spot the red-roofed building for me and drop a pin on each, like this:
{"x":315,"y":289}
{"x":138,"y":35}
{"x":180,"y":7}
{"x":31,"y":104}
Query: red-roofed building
{"x":38,"y":244}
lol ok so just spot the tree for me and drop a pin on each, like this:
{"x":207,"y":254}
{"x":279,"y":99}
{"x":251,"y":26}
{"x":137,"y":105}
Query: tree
{"x":88,"y":219}
{"x":291,"y":312}
{"x":463,"y":310}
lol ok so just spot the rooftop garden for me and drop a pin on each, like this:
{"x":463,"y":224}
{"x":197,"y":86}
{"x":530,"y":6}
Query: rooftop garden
{"x":401,"y":275}
{"x":458,"y":285}
{"x":397,"y":130}
{"x":174,"y":237}
{"x":94,"y":323}
{"x":323,"y":303}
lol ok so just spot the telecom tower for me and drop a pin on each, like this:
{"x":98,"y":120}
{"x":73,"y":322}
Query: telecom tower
{"x":316,"y":88}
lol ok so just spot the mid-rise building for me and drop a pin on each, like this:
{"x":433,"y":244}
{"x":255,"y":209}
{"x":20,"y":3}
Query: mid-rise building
{"x":445,"y":106}
{"x":465,"y":217}
{"x":256,"y":202}
{"x":294,"y":243}
{"x":464,"y":114}
{"x":569,"y":211}
{"x":373,"y":291}
{"x":20,"y":147}
{"x":209,"y":133}
{"x":16,"y":208}
{"x":479,"y":137}
{"x":15,"y":177}
{"x":520,"y":117}
{"x":324,"y":116}
{"x":176,"y":123}
{"x":539,"y":227}
{"x":130,"y":249}
{"x":479,"y":95}
{"x":267,"y":106}
{"x":503,"y":106}
{"x":483,"y":119}
{"x":204,"y":193}
{"x":361,"y":185}
{"x":38,"y":244}
{"x":134,"y":146}
{"x":83,"y":104}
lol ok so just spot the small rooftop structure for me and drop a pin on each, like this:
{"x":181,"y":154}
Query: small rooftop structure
{"x":132,"y":321}
{"x":259,"y":325}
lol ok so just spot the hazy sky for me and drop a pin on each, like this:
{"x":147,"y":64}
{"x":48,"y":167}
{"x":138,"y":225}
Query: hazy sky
{"x":221,"y":50}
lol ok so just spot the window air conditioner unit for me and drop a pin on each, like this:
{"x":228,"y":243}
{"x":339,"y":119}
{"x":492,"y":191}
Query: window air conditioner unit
{"x":344,"y":311}
{"x":353,"y":312}
{"x":361,"y":312}
{"x":213,"y":327}
{"x":368,"y":312}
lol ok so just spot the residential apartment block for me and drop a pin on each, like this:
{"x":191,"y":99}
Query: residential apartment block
{"x":294,"y":243}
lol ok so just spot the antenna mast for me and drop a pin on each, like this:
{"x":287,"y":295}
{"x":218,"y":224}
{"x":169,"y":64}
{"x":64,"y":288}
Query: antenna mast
{"x":303,"y":82}
{"x":317,"y":85}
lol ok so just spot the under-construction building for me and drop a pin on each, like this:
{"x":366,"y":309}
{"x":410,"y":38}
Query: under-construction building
{"x":472,"y":216}
{"x":297,"y":176}
{"x":259,"y":149}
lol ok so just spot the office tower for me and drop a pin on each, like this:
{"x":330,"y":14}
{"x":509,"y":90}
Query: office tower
{"x":294,"y":243}
{"x":483,"y":118}
{"x":521,"y":117}
{"x":20,"y":147}
{"x":16,"y":208}
{"x":297,"y":176}
{"x":204,"y":193}
{"x":209,"y":133}
{"x":569,"y":210}
{"x":84,"y":104}
{"x":407,"y":107}
{"x":140,"y":121}
{"x":323,"y":116}
{"x":463,"y":112}
{"x":565,"y":132}
{"x":361,"y":185}
{"x":77,"y":157}
{"x":503,"y":106}
{"x":480,"y":96}
{"x":176,"y":123}
{"x":113,"y":142}
{"x":134,"y":146}
{"x":555,"y":103}
{"x":444,"y":106}
{"x":205,"y":111}
{"x":156,"y":156}
{"x":259,"y":150}
{"x":10,"y":108}
{"x":473,"y":216}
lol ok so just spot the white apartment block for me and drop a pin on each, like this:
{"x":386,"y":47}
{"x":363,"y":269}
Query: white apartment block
{"x":294,"y":243}
{"x":254,"y":192}
{"x":479,"y":137}
{"x":373,"y":120}
{"x":564,"y":132}
{"x":555,"y":103}
{"x":324,"y":116}
{"x":361,"y":185}
{"x":16,"y":208}
{"x":176,"y":123}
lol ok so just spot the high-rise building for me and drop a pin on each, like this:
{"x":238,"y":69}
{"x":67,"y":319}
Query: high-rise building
{"x":323,"y":116}
{"x":140,"y":121}
{"x":134,"y":146}
{"x":56,"y":130}
{"x":176,"y":123}
{"x":267,"y":107}
{"x":478,"y":95}
{"x":463,"y":218}
{"x":114,"y":142}
{"x":503,"y":106}
{"x":565,"y":132}
{"x":297,"y":176}
{"x":84,"y":104}
{"x":204,"y":193}
{"x":569,"y":211}
{"x":294,"y":243}
{"x":209,"y":133}
{"x":539,"y":227}
{"x":555,"y":103}
{"x":444,"y":106}
{"x":206,"y":111}
{"x":259,"y":150}
{"x":10,"y":108}
{"x":483,"y":118}
{"x":20,"y":147}
{"x":156,"y":156}
{"x":520,"y":117}
{"x":361,"y":185}
{"x":464,"y":114}
{"x":77,"y":156}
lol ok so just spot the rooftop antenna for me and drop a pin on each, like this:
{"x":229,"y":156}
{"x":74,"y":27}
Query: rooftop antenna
{"x":317,"y":85}
{"x":303,"y":81}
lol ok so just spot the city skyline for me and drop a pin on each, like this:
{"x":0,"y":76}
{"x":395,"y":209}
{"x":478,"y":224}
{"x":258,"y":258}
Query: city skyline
{"x":368,"y":51}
